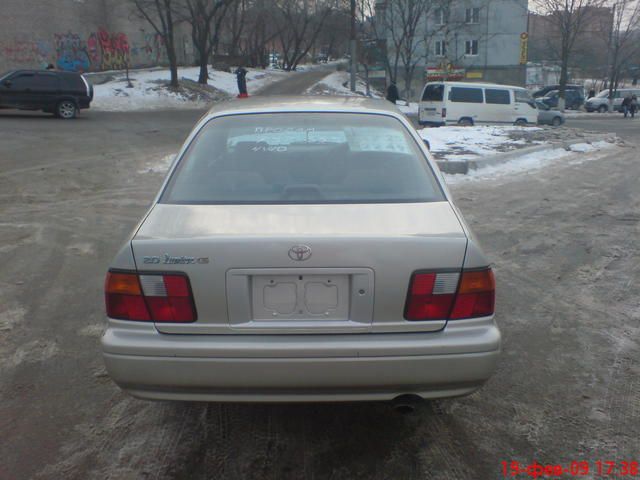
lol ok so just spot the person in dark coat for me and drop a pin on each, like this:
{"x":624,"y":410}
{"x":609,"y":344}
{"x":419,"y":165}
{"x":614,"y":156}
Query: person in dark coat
{"x":633,"y":106}
{"x":626,"y":104}
{"x":241,"y":77}
{"x":392,"y":93}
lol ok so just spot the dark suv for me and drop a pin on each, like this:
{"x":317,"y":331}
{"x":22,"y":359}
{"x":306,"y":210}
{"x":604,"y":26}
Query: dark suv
{"x":60,"y":93}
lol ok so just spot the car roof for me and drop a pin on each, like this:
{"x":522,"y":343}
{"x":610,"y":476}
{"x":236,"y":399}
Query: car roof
{"x":478,"y":85}
{"x":275,"y":104}
{"x":56,"y":72}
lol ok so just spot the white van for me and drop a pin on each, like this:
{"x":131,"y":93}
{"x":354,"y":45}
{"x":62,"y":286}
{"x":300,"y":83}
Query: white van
{"x":462,"y":103}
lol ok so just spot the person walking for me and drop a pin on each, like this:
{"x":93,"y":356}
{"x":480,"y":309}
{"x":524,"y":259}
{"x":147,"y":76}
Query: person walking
{"x":392,"y":93}
{"x":241,"y":77}
{"x":633,"y":106}
{"x":626,"y":103}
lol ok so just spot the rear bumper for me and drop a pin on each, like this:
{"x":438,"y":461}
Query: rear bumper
{"x":284,"y":368}
{"x":429,"y":123}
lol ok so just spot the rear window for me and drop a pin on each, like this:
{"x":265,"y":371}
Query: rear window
{"x":466,"y":95}
{"x":302,"y":158}
{"x":500,"y":97}
{"x":433,"y":93}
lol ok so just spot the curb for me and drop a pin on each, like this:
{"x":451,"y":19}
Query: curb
{"x":463,"y":166}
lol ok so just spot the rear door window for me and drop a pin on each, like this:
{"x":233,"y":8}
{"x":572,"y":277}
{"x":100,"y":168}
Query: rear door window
{"x":497,"y":96}
{"x":466,"y":95}
{"x":302,"y":158}
{"x":433,"y":93}
{"x":46,"y":82}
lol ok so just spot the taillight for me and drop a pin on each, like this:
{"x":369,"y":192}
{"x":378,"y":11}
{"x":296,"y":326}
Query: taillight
{"x":431,"y":296}
{"x":476,"y":295}
{"x":149,"y":297}
{"x":450,"y":295}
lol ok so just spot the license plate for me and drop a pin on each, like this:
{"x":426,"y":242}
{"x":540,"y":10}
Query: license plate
{"x":300,"y":297}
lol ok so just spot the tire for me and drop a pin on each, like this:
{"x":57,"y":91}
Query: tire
{"x":521,"y":122}
{"x":602,"y":109}
{"x":66,"y":109}
{"x":465,"y":122}
{"x":556,"y":122}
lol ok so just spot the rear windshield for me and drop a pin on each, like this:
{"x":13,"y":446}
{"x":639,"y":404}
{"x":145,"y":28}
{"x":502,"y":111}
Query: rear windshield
{"x":302,"y":158}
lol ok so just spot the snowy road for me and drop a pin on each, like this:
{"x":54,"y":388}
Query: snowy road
{"x":563,"y":240}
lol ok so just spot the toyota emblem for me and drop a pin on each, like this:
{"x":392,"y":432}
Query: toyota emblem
{"x":300,"y":253}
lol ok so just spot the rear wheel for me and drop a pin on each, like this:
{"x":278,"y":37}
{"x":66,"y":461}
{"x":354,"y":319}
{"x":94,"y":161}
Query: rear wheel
{"x":521,"y":122}
{"x":602,"y":108}
{"x":66,"y":109}
{"x":556,"y":122}
{"x":465,"y":122}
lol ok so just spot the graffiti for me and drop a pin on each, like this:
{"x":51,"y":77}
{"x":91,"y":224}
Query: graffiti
{"x":115,"y":50}
{"x":27,"y":52}
{"x":71,"y":52}
{"x":99,"y":50}
{"x":92,"y":49}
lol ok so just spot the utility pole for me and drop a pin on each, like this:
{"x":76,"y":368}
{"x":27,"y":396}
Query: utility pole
{"x":352,"y":45}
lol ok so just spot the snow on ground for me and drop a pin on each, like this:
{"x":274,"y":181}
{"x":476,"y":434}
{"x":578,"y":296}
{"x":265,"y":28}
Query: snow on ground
{"x":150,"y":89}
{"x":468,"y":143}
{"x":532,"y":162}
{"x":337,"y":83}
{"x":410,"y":109}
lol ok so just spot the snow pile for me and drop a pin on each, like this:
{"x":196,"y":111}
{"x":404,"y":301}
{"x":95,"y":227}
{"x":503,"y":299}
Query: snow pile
{"x":410,"y":109}
{"x":337,"y":83}
{"x":468,"y":143}
{"x":533,"y":161}
{"x":150,"y":89}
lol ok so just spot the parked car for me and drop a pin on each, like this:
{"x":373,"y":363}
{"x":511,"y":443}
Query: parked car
{"x":600,"y":103}
{"x":548,"y":116}
{"x":550,"y":88}
{"x":573,"y":99}
{"x":301,"y":249}
{"x":463,"y":103}
{"x":62,"y":93}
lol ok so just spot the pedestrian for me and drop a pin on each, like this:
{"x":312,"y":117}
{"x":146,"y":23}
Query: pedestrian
{"x":241,"y":77}
{"x":633,"y":106}
{"x":392,"y":93}
{"x":626,"y":104}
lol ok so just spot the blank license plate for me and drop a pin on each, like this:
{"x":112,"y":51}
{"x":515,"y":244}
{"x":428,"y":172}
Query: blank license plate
{"x":300,"y":297}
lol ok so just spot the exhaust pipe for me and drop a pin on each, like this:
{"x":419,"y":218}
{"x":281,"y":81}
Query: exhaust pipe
{"x":407,"y":403}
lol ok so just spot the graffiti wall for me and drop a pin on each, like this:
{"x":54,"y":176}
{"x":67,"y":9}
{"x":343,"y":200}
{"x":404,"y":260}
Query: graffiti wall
{"x":97,"y":51}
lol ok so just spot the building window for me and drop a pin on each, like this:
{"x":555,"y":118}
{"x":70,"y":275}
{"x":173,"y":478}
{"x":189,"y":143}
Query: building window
{"x":440,"y":48}
{"x":440,"y":20}
{"x":471,"y":47}
{"x":473,"y":15}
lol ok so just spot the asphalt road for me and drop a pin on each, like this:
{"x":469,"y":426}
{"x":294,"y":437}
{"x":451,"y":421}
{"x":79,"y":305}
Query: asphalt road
{"x":625,"y":128}
{"x":564,"y":245}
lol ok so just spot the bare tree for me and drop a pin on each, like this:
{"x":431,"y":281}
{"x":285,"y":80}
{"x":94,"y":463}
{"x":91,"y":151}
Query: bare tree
{"x":624,"y":43}
{"x":161,"y":15}
{"x":569,"y":19}
{"x":298,"y":24}
{"x":205,"y":18}
{"x":401,"y":24}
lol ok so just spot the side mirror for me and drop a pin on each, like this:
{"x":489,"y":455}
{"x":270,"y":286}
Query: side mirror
{"x":427,"y":144}
{"x":7,"y":83}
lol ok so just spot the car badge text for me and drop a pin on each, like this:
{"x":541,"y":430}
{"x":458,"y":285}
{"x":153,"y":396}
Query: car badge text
{"x":169,"y":260}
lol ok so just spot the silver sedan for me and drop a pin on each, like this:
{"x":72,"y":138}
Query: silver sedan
{"x":549,"y":116}
{"x":301,"y":249}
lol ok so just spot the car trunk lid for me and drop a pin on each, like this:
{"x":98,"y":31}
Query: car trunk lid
{"x":300,"y":268}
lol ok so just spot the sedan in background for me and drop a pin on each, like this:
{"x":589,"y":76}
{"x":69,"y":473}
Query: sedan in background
{"x":301,"y":249}
{"x":548,"y":116}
